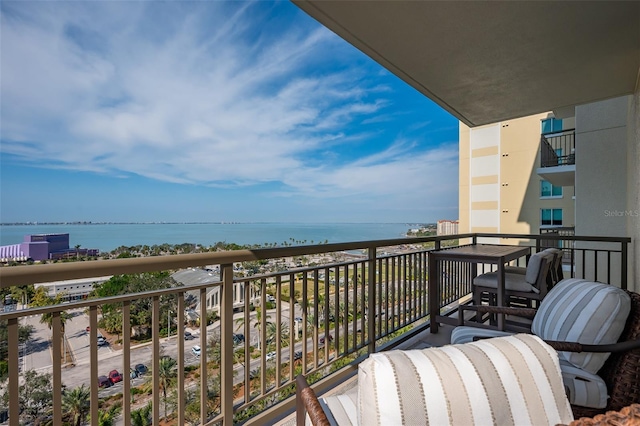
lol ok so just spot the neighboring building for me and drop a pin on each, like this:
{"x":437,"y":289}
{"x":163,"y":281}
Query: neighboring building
{"x":72,"y":289}
{"x":43,"y":247}
{"x":500,"y":191}
{"x":447,"y":227}
{"x":194,"y":276}
{"x":545,"y":173}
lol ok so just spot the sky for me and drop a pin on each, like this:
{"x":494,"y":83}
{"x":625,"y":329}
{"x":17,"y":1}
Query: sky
{"x":136,"y":111}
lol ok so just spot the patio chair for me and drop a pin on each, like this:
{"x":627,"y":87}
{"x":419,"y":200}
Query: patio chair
{"x":532,"y":285}
{"x":555,"y":271}
{"x":596,"y":329}
{"x":510,"y":380}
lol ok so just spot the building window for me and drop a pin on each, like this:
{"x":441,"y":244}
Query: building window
{"x":551,"y":217}
{"x":551,"y":125}
{"x":547,"y":189}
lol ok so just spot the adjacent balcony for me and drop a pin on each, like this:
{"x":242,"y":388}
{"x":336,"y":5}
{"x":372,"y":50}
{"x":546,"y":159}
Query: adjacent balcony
{"x":319,"y":319}
{"x":557,"y":157}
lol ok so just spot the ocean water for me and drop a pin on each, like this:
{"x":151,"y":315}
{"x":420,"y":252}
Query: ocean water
{"x":107,"y":237}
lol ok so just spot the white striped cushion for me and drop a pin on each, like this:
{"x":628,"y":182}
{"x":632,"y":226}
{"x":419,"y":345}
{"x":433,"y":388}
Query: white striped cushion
{"x":513,"y":380}
{"x":583,"y":388}
{"x":341,"y":409}
{"x":466,"y":334}
{"x":586,"y":312}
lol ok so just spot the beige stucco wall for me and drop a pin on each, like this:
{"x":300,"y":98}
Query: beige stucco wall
{"x":605,"y":163}
{"x":520,"y":186}
{"x":463,"y":174}
{"x":498,"y":180}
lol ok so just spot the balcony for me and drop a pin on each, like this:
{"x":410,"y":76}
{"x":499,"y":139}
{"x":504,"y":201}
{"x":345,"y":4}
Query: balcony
{"x":557,"y":158}
{"x":319,"y":320}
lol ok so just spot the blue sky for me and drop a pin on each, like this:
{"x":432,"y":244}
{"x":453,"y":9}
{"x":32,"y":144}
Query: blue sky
{"x":210,"y":111}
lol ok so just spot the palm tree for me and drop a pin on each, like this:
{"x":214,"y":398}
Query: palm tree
{"x":113,"y":323}
{"x":258,"y":324}
{"x":107,"y":418}
{"x":22,"y":293}
{"x":167,"y":374}
{"x":142,"y":416}
{"x":42,"y":298}
{"x":272,"y":332}
{"x":76,"y":403}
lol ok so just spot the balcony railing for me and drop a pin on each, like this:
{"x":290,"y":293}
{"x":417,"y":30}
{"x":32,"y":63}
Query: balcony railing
{"x":565,"y":245}
{"x":558,"y":149}
{"x":323,"y":318}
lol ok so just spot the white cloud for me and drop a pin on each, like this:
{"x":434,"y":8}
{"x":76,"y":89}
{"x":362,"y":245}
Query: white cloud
{"x":202,"y":96}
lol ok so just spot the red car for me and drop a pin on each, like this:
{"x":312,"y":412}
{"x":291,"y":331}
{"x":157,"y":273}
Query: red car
{"x":115,"y":377}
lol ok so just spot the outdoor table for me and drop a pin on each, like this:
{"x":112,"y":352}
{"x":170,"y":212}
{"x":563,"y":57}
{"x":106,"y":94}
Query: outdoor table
{"x":477,"y":253}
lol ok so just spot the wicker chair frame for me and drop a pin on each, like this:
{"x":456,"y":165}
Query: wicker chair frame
{"x":621,"y":371}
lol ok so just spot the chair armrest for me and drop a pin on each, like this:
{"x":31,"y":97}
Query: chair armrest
{"x":577,"y":347}
{"x":521,"y":312}
{"x":629,"y":415}
{"x":307,"y":403}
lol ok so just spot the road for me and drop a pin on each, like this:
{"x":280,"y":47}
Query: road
{"x":36,"y":354}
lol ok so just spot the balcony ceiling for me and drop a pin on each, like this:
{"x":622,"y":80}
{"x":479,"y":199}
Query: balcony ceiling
{"x":560,"y":175}
{"x":490,"y":61}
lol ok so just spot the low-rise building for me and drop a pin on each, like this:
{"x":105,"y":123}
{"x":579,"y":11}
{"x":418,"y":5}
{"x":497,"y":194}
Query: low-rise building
{"x":43,"y":247}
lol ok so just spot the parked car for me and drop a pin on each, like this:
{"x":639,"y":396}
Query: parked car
{"x":140,"y":369}
{"x":238,"y":339}
{"x":133,"y":373}
{"x":104,"y":382}
{"x":297,"y":355}
{"x":188,"y":335}
{"x":271,"y":356}
{"x":322,"y":339}
{"x":196,"y":350}
{"x":102,"y":341}
{"x":115,"y":376}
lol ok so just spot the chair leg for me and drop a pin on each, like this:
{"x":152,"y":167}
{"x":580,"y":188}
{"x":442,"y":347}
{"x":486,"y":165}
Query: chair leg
{"x":477,"y":300}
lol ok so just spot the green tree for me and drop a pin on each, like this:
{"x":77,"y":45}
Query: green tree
{"x":137,"y":283}
{"x":24,"y":334}
{"x":114,"y":286}
{"x":76,"y":403}
{"x":192,"y":409}
{"x":214,"y":348}
{"x":36,"y":394}
{"x":41,"y":298}
{"x":258,"y":323}
{"x":167,"y":374}
{"x":22,"y":293}
{"x":142,"y":416}
{"x":112,"y":323}
{"x":107,"y":417}
{"x":272,"y":334}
